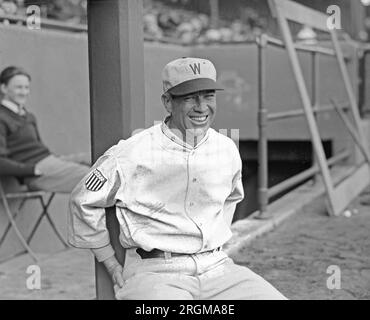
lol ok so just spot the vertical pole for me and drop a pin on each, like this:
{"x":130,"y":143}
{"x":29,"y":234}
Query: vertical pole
{"x":215,"y":13}
{"x":357,"y":18}
{"x":116,"y":71}
{"x":314,"y":100}
{"x":361,"y":70}
{"x":262,"y":131}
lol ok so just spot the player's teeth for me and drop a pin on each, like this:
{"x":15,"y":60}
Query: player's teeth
{"x":199,"y":118}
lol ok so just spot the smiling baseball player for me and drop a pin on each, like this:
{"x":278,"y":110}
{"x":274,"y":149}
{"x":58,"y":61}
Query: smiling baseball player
{"x":175,"y":187}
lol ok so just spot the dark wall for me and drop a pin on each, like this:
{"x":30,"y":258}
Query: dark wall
{"x":285,"y":159}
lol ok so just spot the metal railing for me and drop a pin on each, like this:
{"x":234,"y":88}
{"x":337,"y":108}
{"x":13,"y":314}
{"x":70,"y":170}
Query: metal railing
{"x":264,"y":117}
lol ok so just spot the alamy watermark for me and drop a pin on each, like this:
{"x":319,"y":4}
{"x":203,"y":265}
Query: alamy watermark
{"x":33,"y":281}
{"x":334,"y":20}
{"x":33,"y":20}
{"x":333,"y":282}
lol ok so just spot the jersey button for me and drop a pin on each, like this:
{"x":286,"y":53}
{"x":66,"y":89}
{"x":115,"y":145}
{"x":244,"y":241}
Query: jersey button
{"x":191,"y":204}
{"x":194,"y":179}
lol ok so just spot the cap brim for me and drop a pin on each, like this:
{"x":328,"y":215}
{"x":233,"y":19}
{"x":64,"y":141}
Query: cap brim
{"x":194,"y":86}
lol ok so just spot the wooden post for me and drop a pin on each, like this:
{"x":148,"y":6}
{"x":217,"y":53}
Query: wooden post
{"x":116,"y":66}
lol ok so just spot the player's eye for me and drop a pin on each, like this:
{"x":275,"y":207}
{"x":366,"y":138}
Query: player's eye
{"x":189,"y":98}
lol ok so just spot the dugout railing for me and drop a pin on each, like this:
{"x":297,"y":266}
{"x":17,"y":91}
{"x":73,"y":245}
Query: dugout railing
{"x":265,"y":117}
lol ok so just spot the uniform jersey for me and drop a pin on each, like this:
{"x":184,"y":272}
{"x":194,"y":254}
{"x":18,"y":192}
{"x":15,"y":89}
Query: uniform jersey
{"x":168,"y":195}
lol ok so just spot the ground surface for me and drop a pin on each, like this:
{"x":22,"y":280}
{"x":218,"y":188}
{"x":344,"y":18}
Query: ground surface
{"x":65,"y":275}
{"x":295,"y":256}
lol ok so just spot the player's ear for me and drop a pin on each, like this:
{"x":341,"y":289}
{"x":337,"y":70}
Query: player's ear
{"x":3,"y":88}
{"x":167,"y":102}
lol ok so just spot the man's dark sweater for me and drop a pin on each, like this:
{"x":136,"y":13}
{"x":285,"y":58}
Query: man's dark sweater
{"x":20,"y":144}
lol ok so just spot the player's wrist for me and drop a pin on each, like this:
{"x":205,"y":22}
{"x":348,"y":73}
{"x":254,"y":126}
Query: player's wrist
{"x":112,"y":265}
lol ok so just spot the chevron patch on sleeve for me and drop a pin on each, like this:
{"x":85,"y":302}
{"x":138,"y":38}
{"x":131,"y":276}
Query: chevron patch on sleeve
{"x":95,"y":181}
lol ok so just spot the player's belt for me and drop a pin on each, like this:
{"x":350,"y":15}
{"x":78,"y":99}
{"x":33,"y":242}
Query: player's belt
{"x":156,"y":253}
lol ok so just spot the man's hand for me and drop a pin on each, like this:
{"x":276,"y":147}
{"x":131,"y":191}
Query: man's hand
{"x":115,"y":270}
{"x":117,"y":276}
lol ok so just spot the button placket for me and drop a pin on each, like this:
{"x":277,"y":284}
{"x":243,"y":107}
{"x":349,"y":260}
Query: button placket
{"x":192,"y":194}
{"x":190,"y":190}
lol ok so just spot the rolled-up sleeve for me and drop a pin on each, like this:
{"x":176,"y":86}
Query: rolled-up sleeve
{"x":95,"y":192}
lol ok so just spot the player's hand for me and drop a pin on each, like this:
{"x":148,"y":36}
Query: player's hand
{"x":115,"y":270}
{"x":117,"y":277}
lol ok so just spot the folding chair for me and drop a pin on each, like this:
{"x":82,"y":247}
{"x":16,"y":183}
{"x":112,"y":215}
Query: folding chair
{"x":44,"y":198}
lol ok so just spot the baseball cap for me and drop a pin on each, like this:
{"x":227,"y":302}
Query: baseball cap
{"x":186,"y":75}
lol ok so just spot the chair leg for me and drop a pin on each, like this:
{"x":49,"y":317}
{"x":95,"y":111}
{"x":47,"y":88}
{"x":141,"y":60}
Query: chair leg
{"x":51,"y":222}
{"x":19,"y":234}
{"x":35,"y":227}
{"x":5,"y":233}
{"x":8,"y":227}
{"x":39,"y":219}
{"x":12,"y":223}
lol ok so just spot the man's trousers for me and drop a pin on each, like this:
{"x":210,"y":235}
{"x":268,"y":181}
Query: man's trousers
{"x":210,"y":275}
{"x":58,"y":175}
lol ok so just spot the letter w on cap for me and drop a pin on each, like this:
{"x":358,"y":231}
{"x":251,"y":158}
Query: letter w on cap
{"x":195,"y":68}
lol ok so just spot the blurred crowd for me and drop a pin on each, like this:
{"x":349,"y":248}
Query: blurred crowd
{"x":161,"y":21}
{"x":69,"y":11}
{"x":8,"y":7}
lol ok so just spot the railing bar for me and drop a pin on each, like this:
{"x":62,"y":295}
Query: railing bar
{"x":300,"y":47}
{"x":285,"y":114}
{"x":299,"y":112}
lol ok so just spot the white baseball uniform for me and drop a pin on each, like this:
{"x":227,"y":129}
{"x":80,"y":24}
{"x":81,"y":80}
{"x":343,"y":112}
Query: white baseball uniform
{"x":172,"y":197}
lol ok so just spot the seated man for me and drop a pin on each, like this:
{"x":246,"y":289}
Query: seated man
{"x":175,"y":187}
{"x":22,"y":153}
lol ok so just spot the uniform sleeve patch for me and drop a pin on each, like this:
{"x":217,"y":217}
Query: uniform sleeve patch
{"x":95,"y":181}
